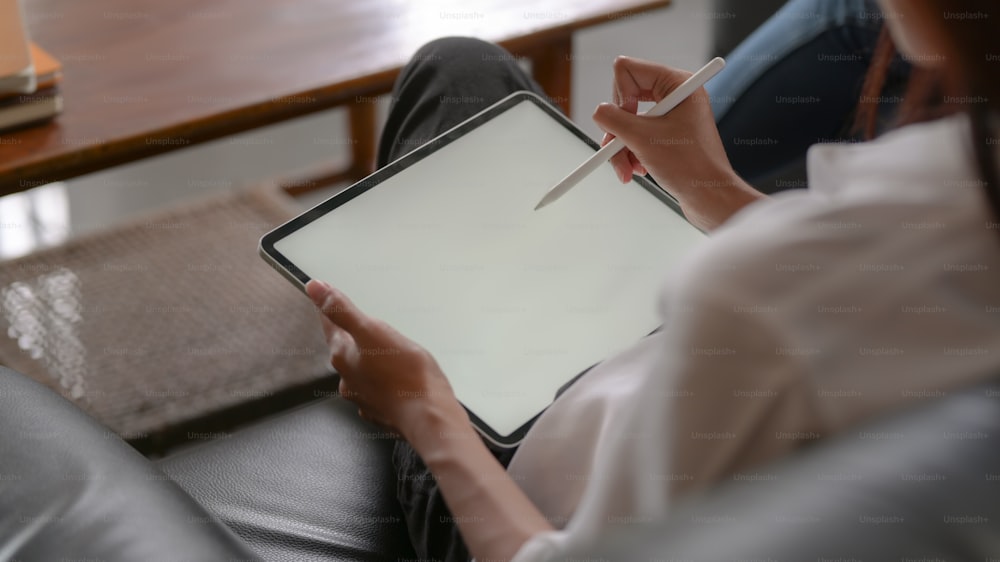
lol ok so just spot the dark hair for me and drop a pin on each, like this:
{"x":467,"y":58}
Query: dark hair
{"x":968,"y":82}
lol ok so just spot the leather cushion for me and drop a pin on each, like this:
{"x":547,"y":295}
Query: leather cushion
{"x":314,"y":484}
{"x":70,"y":489}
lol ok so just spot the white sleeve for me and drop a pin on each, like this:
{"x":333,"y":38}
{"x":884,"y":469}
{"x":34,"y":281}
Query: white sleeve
{"x":716,"y":392}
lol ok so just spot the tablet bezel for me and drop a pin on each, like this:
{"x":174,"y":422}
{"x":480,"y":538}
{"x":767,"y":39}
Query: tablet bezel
{"x":299,"y":278}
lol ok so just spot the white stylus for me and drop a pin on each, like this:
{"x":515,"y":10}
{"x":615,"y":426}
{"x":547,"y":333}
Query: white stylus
{"x":664,"y":106}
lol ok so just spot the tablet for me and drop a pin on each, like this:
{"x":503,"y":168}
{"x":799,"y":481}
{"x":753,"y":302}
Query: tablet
{"x":444,"y":245}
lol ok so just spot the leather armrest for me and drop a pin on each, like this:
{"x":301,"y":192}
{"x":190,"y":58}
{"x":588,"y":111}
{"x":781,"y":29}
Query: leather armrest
{"x":70,"y":489}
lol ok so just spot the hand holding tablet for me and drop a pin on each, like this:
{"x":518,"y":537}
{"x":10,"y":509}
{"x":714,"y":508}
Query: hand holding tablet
{"x":382,"y":371}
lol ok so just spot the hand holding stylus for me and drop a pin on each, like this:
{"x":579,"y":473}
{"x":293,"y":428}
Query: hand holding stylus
{"x":682,"y":151}
{"x":676,"y":150}
{"x":667,"y":93}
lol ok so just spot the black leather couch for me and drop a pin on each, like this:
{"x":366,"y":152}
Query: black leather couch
{"x":317,"y":484}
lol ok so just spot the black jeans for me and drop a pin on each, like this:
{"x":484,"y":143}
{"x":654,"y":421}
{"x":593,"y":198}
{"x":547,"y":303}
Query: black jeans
{"x":446,"y":82}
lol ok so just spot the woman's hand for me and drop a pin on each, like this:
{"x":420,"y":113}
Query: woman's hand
{"x":682,"y":150}
{"x":399,"y":385}
{"x":395,"y":382}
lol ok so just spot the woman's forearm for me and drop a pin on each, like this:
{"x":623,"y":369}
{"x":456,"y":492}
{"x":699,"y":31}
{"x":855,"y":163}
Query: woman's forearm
{"x":491,"y":511}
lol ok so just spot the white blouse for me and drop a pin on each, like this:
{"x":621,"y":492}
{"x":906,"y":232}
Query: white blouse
{"x":805,"y":314}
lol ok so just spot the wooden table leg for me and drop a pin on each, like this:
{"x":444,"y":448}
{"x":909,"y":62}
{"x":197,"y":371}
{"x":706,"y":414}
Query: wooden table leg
{"x":364,"y":138}
{"x":552,"y":66}
{"x":363,"y":143}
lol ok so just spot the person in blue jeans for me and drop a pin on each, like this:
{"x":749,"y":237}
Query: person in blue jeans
{"x":795,"y":82}
{"x":810,"y":59}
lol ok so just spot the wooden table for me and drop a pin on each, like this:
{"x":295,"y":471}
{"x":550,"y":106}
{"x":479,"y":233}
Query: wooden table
{"x":144,"y":77}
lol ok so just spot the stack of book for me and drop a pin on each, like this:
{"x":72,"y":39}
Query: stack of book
{"x":29,"y":76}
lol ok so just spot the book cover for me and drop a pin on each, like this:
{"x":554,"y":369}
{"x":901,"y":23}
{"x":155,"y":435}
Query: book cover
{"x":48,"y":70}
{"x":28,"y":109}
{"x":17,"y":73}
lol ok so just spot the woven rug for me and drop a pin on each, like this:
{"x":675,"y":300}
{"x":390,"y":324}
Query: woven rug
{"x":164,"y":320}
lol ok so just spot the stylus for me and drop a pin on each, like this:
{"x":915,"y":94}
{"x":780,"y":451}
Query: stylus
{"x":673,"y":99}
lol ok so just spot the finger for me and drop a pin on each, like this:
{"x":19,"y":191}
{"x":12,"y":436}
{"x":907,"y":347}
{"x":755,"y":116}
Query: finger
{"x":344,"y":389}
{"x":328,"y":328}
{"x":316,"y":290}
{"x":345,"y":357}
{"x":626,"y":89}
{"x":338,"y":341}
{"x":622,"y":165}
{"x":631,"y":129}
{"x":637,"y":167}
{"x":333,"y":332}
{"x":642,"y":80}
{"x":337,"y":307}
{"x":620,"y":161}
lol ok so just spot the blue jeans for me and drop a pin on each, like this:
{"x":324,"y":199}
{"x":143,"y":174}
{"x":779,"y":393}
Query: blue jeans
{"x":795,"y":82}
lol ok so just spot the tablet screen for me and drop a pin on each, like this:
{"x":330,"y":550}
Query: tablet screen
{"x":512,"y":302}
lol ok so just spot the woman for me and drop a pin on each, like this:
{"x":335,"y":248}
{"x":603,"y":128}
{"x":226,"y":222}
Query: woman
{"x":803,"y":315}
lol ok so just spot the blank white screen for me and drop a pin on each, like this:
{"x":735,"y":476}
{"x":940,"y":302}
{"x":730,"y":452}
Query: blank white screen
{"x":512,"y":302}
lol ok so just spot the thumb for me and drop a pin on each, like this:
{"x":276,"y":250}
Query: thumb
{"x":337,"y":307}
{"x":317,"y":291}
